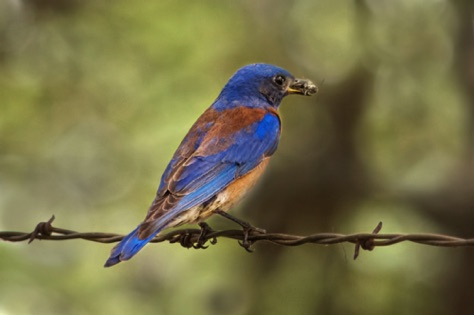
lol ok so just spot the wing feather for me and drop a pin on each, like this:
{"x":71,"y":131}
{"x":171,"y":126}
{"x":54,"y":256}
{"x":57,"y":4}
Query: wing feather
{"x":197,"y":176}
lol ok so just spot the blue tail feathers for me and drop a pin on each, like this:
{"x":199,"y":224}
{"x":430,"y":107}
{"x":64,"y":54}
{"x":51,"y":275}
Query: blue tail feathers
{"x":128,"y":247}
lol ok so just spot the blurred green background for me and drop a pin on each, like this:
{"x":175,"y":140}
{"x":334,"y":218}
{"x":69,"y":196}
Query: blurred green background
{"x":97,"y":95}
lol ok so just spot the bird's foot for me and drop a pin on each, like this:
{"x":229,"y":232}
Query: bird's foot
{"x":184,"y":240}
{"x":247,"y":229}
{"x":203,"y":236}
{"x":190,"y":240}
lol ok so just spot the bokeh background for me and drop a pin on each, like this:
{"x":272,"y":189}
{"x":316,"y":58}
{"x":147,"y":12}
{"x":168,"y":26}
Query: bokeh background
{"x":96,"y":95}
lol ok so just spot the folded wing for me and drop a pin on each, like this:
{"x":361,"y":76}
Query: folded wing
{"x":213,"y":154}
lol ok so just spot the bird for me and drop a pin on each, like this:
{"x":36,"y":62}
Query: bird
{"x":222,"y":155}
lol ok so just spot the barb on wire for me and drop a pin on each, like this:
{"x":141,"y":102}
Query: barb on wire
{"x":197,"y":238}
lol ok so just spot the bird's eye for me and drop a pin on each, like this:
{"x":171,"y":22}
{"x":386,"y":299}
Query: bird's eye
{"x":279,"y":80}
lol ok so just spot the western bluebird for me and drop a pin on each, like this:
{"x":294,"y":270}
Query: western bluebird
{"x":222,"y":156}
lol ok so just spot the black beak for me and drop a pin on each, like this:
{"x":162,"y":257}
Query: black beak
{"x":303,"y":87}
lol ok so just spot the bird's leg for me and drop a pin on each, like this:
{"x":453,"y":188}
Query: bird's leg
{"x":202,"y":238}
{"x":246,"y":227}
{"x":242,"y":223}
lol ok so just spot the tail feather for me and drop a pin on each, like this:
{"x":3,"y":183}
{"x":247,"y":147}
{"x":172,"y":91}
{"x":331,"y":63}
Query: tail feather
{"x":128,"y":247}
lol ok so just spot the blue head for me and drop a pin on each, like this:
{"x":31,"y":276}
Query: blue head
{"x":262,"y":85}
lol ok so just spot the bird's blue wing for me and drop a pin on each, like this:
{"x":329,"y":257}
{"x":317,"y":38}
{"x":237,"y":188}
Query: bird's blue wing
{"x":215,"y":164}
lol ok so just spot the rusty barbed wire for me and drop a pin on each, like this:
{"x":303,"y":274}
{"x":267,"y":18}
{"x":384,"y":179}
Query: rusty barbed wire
{"x":197,"y":238}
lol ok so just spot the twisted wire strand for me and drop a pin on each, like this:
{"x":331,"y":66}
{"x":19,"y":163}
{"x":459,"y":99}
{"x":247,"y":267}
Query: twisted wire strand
{"x":196,"y":238}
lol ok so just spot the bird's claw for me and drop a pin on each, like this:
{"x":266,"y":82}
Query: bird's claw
{"x":248,"y":230}
{"x":203,"y":237}
{"x":188,"y":240}
{"x":185,"y":240}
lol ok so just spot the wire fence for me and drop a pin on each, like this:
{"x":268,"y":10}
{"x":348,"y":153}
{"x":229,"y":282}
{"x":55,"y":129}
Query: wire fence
{"x":197,"y":238}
